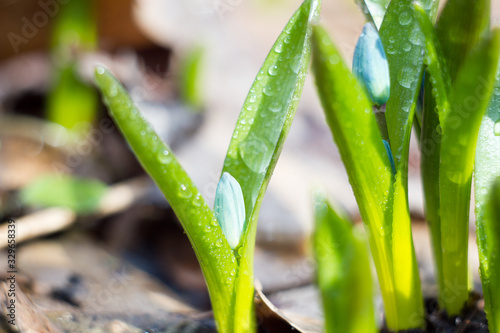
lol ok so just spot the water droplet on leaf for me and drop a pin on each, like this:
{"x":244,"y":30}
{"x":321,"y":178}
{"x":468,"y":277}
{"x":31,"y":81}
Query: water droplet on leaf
{"x":256,"y":153}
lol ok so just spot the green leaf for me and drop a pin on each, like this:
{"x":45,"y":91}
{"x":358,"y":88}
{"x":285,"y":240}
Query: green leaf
{"x":438,"y":83}
{"x":486,"y":171}
{"x":469,"y":98}
{"x":443,"y":59}
{"x":190,"y":78}
{"x":260,"y":133}
{"x":462,"y":24}
{"x":374,"y":10}
{"x":435,"y":61}
{"x":79,"y":194}
{"x":216,"y":257}
{"x":344,"y":276}
{"x":355,"y":131}
{"x":72,"y":101}
{"x":403,"y":44}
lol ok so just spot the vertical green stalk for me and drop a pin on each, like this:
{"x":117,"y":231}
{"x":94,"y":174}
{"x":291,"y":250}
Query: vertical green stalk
{"x":486,"y":171}
{"x":446,"y":189}
{"x":72,"y":101}
{"x":381,"y":195}
{"x":344,"y":276}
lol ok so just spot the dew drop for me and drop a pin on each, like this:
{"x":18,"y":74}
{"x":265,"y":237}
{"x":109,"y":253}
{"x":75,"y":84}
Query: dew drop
{"x":164,"y":157}
{"x":268,"y":91}
{"x":100,"y":70}
{"x":415,"y":37}
{"x":405,"y":18}
{"x":273,"y":70}
{"x":278,"y":48}
{"x":208,"y":228}
{"x":255,"y":153}
{"x":406,"y":77}
{"x":275,"y":107}
{"x":183,"y":192}
{"x":197,"y":201}
{"x":218,"y":243}
{"x":496,"y":128}
{"x":295,"y":64}
{"x":112,"y":90}
{"x":391,"y":49}
{"x":407,"y":47}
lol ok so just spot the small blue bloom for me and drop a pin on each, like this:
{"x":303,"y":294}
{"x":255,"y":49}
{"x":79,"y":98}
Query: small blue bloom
{"x":229,"y":209}
{"x":370,"y":65}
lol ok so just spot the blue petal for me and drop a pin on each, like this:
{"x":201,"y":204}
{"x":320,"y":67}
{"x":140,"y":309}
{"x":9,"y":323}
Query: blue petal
{"x":370,"y":65}
{"x":391,"y":158}
{"x":229,"y":209}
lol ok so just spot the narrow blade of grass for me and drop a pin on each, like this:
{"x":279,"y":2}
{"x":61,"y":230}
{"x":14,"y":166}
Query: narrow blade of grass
{"x":355,"y":130}
{"x":469,"y":98}
{"x":190,"y":85}
{"x":258,"y":138}
{"x":486,"y":171}
{"x":71,"y":101}
{"x":436,"y":102}
{"x":344,"y":275}
{"x":216,"y":257}
{"x":490,"y":266}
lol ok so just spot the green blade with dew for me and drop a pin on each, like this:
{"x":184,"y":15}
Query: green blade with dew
{"x":438,"y":83}
{"x":262,"y":127}
{"x":490,"y":265}
{"x":355,"y":131}
{"x":486,"y":171}
{"x":216,"y":257}
{"x":344,"y":275}
{"x":469,"y":99}
{"x":403,"y":44}
{"x":461,"y":25}
{"x":467,"y":19}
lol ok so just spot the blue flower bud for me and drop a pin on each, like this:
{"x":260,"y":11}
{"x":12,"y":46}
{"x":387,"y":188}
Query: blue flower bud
{"x":229,"y":209}
{"x":370,"y":65}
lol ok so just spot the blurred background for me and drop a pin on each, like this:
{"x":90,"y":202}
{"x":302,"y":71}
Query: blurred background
{"x":99,"y":248}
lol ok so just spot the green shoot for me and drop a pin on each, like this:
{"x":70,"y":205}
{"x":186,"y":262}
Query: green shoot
{"x":449,"y":154}
{"x":79,"y":194}
{"x":487,"y":170}
{"x":380,"y":194}
{"x":72,"y":102}
{"x":344,"y":275}
{"x":262,"y":127}
{"x":190,"y":85}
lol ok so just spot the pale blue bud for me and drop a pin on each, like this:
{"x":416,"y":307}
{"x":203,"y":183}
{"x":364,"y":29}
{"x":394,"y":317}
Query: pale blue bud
{"x":370,"y":65}
{"x":229,"y":209}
